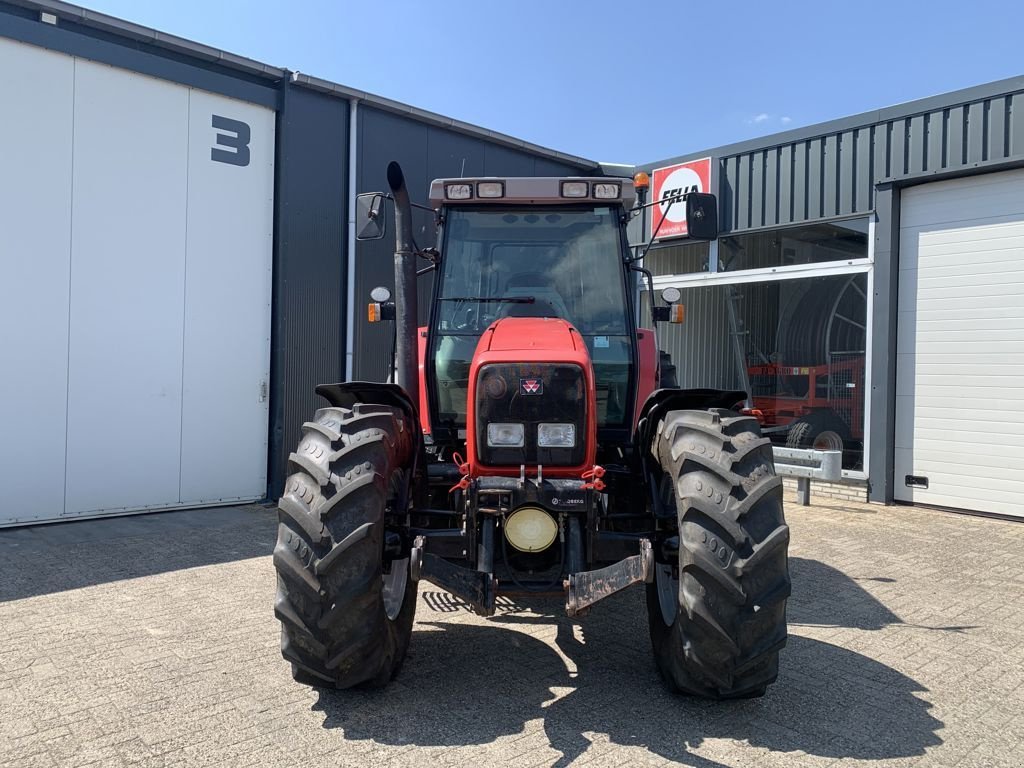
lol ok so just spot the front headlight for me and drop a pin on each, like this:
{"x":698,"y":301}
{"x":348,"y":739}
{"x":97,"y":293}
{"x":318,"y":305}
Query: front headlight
{"x":556,"y":435}
{"x":505,"y":435}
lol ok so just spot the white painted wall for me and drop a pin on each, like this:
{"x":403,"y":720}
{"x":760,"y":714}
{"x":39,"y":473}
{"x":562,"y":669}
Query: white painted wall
{"x":35,"y":264}
{"x":960,"y":349}
{"x":127,"y":290}
{"x":135,"y":315}
{"x":227,"y":299}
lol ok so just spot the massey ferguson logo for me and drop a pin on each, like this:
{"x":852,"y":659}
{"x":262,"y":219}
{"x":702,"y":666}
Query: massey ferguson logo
{"x":531,"y":387}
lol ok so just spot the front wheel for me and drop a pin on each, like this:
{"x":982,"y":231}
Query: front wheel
{"x":717,"y":606}
{"x":346,"y":609}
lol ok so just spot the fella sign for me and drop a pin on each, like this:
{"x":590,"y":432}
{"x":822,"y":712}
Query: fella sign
{"x":670,"y":182}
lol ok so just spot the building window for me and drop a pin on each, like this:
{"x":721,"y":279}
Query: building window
{"x":680,"y":259}
{"x":810,"y":244}
{"x":796,"y":345}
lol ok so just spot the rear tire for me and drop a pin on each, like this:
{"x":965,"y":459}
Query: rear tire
{"x":346,"y":615}
{"x":717,"y":613}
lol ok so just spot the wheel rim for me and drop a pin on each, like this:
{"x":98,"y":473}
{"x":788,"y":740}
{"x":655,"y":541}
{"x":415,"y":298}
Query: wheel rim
{"x":828,"y":441}
{"x":394,"y":587}
{"x":395,"y":575}
{"x":668,"y":592}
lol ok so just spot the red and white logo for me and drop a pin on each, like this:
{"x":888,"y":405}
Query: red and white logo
{"x":671,"y":182}
{"x":531,"y":386}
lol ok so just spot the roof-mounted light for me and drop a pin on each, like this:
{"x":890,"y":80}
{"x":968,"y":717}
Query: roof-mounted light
{"x":641,"y":180}
{"x":490,"y":189}
{"x":458,"y":191}
{"x":606,"y":191}
{"x":575,"y":189}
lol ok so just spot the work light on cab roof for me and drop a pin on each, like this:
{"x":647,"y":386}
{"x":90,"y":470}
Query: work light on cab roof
{"x":532,"y":190}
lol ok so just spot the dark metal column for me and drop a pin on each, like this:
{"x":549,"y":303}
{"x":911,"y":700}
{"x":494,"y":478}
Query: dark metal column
{"x":882,"y":418}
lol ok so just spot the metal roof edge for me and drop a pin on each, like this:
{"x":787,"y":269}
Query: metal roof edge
{"x":990,"y":90}
{"x":114,"y":25}
{"x":130,"y":30}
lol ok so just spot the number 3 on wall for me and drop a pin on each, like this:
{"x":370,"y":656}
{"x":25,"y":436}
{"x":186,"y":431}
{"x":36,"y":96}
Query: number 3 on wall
{"x":233,"y":134}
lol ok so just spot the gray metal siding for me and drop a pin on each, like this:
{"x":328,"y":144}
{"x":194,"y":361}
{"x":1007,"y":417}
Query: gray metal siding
{"x":700,"y":347}
{"x":835,"y":173}
{"x":426,"y":152}
{"x":310,"y":264}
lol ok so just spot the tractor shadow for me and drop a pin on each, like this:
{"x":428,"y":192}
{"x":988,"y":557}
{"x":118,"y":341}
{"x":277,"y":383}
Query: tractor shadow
{"x":824,"y":596}
{"x":469,"y":684}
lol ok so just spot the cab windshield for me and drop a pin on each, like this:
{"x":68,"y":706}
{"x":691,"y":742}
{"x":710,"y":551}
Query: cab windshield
{"x":521,"y":262}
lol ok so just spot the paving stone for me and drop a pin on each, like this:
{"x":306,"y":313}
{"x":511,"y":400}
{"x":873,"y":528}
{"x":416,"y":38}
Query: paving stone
{"x":151,"y":641}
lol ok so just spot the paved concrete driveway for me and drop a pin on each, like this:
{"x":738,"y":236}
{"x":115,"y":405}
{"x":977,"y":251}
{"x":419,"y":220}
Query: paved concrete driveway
{"x":151,"y":641}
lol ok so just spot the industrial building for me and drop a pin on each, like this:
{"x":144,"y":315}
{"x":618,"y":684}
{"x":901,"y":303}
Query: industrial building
{"x":870,"y":273}
{"x":181,"y":270}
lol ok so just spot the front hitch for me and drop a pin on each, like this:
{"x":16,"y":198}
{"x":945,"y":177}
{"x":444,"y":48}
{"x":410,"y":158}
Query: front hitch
{"x":476,"y":588}
{"x":585,"y":588}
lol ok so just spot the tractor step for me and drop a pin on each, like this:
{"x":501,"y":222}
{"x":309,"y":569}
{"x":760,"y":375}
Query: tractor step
{"x":477,"y":589}
{"x":588,"y":587}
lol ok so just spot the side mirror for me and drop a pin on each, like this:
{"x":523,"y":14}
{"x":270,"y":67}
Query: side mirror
{"x":701,"y":216}
{"x":370,"y":221}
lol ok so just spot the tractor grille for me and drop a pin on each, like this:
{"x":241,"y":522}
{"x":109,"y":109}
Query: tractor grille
{"x":531,"y":394}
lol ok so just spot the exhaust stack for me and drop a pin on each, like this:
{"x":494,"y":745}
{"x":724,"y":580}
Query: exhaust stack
{"x":406,"y":352}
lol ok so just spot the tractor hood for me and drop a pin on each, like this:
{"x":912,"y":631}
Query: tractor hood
{"x":522,"y":334}
{"x":529,"y":376}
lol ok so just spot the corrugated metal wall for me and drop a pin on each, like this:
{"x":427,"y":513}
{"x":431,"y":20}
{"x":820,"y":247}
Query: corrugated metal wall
{"x":425,"y":152}
{"x":700,"y":347}
{"x":835,"y":174}
{"x":310,"y":264}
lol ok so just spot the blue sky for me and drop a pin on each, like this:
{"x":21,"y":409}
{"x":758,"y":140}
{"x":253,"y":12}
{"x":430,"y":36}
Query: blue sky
{"x":615,"y":82}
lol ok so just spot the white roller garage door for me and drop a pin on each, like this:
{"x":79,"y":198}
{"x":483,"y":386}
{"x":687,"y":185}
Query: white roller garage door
{"x":960,"y":365}
{"x":136,"y":276}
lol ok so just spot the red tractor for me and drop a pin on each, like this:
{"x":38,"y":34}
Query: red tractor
{"x":816,"y":406}
{"x":524,"y":447}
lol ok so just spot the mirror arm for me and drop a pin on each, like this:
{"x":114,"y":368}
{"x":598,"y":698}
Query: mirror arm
{"x":637,"y":208}
{"x":424,"y":271}
{"x":414,"y":205}
{"x":650,"y":286}
{"x":672,"y":201}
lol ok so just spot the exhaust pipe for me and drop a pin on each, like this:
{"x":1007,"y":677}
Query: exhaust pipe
{"x":406,"y":347}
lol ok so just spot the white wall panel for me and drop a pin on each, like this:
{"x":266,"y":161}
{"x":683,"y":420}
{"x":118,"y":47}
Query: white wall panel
{"x":127,"y":299}
{"x":227,"y":303}
{"x":960,"y":344}
{"x":35,"y":252}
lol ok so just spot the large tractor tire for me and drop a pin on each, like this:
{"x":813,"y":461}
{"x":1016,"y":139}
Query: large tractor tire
{"x":717,"y":610}
{"x":346,"y":612}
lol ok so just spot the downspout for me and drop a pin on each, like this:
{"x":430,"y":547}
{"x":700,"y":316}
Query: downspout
{"x":350,"y":285}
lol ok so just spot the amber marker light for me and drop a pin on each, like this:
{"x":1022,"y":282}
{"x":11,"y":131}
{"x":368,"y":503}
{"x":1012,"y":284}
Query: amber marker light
{"x":373,"y":312}
{"x":641,"y":180}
